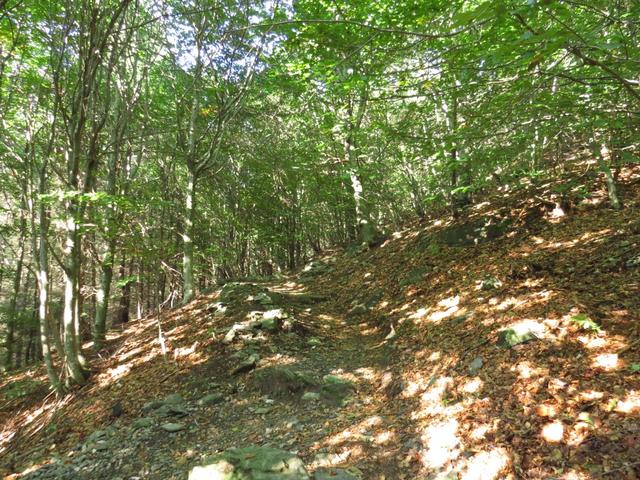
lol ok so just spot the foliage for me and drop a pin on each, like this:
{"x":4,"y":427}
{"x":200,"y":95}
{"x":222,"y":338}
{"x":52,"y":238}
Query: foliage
{"x":585,"y":322}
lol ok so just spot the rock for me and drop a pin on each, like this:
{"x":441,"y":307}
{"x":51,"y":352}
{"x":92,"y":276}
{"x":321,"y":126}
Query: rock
{"x":173,"y":399}
{"x":262,"y":298}
{"x":143,"y":422}
{"x":335,"y":474}
{"x":311,"y":396}
{"x":520,"y":333}
{"x":317,"y":267}
{"x":475,"y":365}
{"x":246,"y":365}
{"x":117,"y":410}
{"x":272,"y":319}
{"x":97,"y":435}
{"x":414,"y":276}
{"x":173,"y":427}
{"x":359,"y":309}
{"x":240,"y":327}
{"x":633,"y":262}
{"x":211,"y":399}
{"x":335,"y":389}
{"x":237,"y":292}
{"x":282,"y":381}
{"x":490,"y":283}
{"x":218,"y":309}
{"x":478,"y":231}
{"x":152,"y":405}
{"x":252,"y":463}
{"x":356,"y":249}
{"x":176,"y":410}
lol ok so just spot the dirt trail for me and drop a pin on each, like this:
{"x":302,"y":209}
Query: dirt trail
{"x":356,"y":434}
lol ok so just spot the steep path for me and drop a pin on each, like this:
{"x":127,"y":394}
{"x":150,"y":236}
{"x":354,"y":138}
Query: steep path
{"x":428,"y":329}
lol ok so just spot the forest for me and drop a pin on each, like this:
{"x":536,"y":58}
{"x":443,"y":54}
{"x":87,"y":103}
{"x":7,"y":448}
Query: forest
{"x":328,"y":239}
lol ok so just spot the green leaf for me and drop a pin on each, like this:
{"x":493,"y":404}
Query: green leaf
{"x":635,"y":367}
{"x":586,"y":322}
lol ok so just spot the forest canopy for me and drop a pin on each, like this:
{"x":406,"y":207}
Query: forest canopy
{"x":149,"y":149}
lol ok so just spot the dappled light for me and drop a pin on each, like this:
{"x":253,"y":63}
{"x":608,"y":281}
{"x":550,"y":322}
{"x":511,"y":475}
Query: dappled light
{"x":553,"y":432}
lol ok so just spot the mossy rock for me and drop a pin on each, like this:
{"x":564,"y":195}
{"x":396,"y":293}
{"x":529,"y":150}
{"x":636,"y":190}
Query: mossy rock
{"x":334,"y":390}
{"x":517,"y":335}
{"x":252,"y":463}
{"x":235,"y":292}
{"x":282,"y":381}
{"x":479,"y":231}
{"x":415,"y":275}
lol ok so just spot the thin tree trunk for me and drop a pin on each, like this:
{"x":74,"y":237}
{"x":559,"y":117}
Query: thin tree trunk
{"x":187,"y":259}
{"x":11,"y":312}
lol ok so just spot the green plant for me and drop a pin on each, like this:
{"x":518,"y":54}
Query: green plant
{"x":586,"y":323}
{"x":635,"y":367}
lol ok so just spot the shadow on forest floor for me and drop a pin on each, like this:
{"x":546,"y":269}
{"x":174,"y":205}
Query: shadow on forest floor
{"x":415,"y":325}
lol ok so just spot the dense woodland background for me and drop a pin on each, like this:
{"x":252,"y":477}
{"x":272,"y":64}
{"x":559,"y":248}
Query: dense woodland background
{"x":149,"y":150}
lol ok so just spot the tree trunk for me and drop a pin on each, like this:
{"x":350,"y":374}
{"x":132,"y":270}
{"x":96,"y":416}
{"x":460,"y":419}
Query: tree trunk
{"x":71,"y":273}
{"x":11,"y":312}
{"x":187,"y":259}
{"x":604,"y":160}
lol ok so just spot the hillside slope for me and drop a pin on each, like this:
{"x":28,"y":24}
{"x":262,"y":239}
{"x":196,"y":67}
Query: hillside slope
{"x":399,"y":359}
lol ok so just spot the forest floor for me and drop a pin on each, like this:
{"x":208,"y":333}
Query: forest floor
{"x":415,"y":326}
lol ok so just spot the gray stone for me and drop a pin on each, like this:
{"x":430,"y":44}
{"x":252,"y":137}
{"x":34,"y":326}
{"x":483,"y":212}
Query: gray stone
{"x":272,"y":319}
{"x":633,"y":262}
{"x":97,"y":435}
{"x":262,"y":298}
{"x":211,"y":399}
{"x":478,"y":231}
{"x":282,"y":381}
{"x":176,"y":410}
{"x":335,"y":389}
{"x":325,"y":473}
{"x":475,"y":365}
{"x":414,"y":276}
{"x":173,"y":427}
{"x":252,"y":463}
{"x":515,"y":336}
{"x":143,"y":422}
{"x":311,"y":396}
{"x":173,"y":399}
{"x":359,"y":309}
{"x":246,"y":365}
{"x":152,"y":405}
{"x":237,"y":292}
{"x":317,"y":267}
{"x":238,"y":328}
{"x":490,"y":283}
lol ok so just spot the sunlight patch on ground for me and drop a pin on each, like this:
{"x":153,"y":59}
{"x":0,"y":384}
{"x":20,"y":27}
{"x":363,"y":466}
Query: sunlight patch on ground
{"x":580,"y":430}
{"x":526,"y":370}
{"x":573,"y":475}
{"x":606,"y":361}
{"x":442,"y":444}
{"x":385,"y":437}
{"x":630,"y":404}
{"x":118,"y":372}
{"x":480,"y":432}
{"x":442,"y":314}
{"x":553,"y":432}
{"x":367,"y":373}
{"x":487,"y":465}
{"x":473,"y":386}
{"x":547,"y":410}
{"x":591,"y":342}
